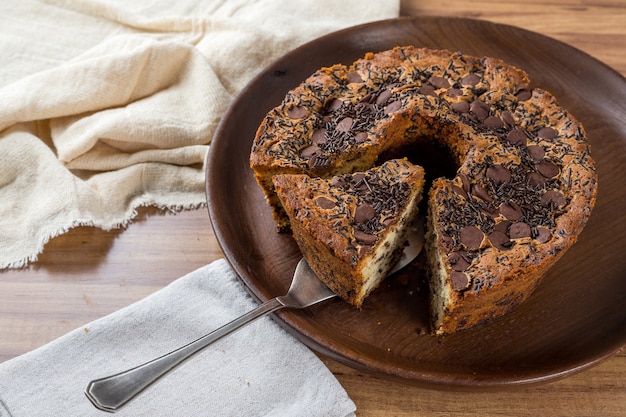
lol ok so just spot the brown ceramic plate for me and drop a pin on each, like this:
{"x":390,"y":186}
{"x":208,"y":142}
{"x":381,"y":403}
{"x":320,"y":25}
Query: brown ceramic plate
{"x":576,"y":318}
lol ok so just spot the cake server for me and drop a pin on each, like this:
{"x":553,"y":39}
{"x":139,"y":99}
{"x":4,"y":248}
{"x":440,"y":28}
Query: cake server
{"x":112,"y":392}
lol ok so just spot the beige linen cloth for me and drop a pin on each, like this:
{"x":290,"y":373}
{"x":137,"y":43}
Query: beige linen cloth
{"x":108,"y":105}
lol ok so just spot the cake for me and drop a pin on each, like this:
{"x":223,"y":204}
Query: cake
{"x":352,"y":228}
{"x":523,"y":184}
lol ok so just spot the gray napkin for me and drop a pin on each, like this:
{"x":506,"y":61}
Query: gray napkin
{"x":258,"y":371}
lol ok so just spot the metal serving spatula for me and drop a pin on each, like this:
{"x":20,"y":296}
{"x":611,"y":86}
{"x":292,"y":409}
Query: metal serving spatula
{"x":112,"y":392}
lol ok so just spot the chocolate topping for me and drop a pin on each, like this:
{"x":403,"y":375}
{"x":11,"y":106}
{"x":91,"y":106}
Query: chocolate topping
{"x":325,"y":203}
{"x":553,"y":199}
{"x":480,"y":192}
{"x":492,"y":122}
{"x":547,"y":133}
{"x":393,"y":106}
{"x":471,"y":237}
{"x":537,"y":152}
{"x":309,"y":151}
{"x":318,"y":136}
{"x":344,"y":124}
{"x":458,"y":261}
{"x":479,"y":109}
{"x":519,"y":230}
{"x":364,"y":213}
{"x":548,"y":169}
{"x":460,"y":107}
{"x":427,"y":90}
{"x":499,"y":174}
{"x":470,"y":79}
{"x":511,"y":211}
{"x":524,"y":95}
{"x":383,"y":97}
{"x":517,"y":137}
{"x":459,"y":281}
{"x":542,"y":235}
{"x":499,"y":240}
{"x":354,"y":77}
{"x":439,"y":82}
{"x":297,"y":112}
{"x":364,"y":238}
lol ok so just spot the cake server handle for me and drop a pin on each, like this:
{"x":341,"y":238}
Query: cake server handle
{"x":112,"y":392}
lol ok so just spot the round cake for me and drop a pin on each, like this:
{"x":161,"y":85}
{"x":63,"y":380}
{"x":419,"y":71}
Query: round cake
{"x":523,"y":184}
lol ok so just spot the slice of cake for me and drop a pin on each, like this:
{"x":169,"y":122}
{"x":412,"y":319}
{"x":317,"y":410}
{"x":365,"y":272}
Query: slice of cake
{"x":352,"y":228}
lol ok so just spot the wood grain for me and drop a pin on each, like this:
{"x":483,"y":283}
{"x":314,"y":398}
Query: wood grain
{"x":88,"y":273}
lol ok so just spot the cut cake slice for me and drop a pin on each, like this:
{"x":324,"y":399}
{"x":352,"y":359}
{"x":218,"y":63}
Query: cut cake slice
{"x":352,"y":228}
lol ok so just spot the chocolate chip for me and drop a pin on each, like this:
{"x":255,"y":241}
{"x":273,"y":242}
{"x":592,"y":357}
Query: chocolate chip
{"x":335,"y":104}
{"x":318,"y":136}
{"x":553,"y":198}
{"x":459,"y":281}
{"x":511,"y":211}
{"x":465,"y":181}
{"x":454,"y":92}
{"x":309,"y":151}
{"x":439,"y":82}
{"x":498,"y":174}
{"x":503,"y":226}
{"x":519,"y":230}
{"x":499,"y":240}
{"x":536,"y":152}
{"x":368,"y":99}
{"x":297,"y":112}
{"x":492,"y":122}
{"x":479,"y":109}
{"x":548,"y":169}
{"x":517,"y":137}
{"x":338,"y":181}
{"x":524,"y":95}
{"x":457,"y":261}
{"x":344,"y":124}
{"x":358,"y":177}
{"x":470,"y":79}
{"x":547,"y":133}
{"x":325,"y":203}
{"x":471,"y":237}
{"x":542,"y":235}
{"x":427,"y":90}
{"x":534,"y":179}
{"x":460,"y":107}
{"x":360,"y":137}
{"x":383,"y":97}
{"x":354,"y":77}
{"x":480,"y":192}
{"x":364,"y":238}
{"x":364,"y":213}
{"x":508,"y":118}
{"x":392,"y":107}
{"x":460,"y":191}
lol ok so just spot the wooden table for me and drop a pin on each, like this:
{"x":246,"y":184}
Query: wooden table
{"x":88,"y":273}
